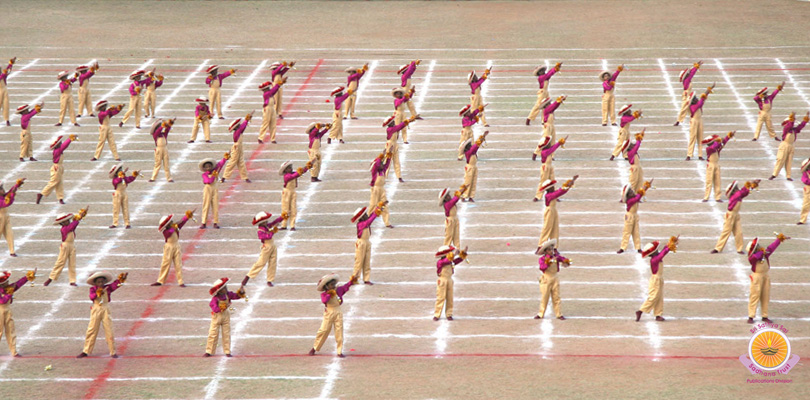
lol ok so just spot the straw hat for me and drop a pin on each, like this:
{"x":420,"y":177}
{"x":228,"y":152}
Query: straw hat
{"x":232,"y":127}
{"x":465,"y":109}
{"x":441,"y":196}
{"x":444,"y":250}
{"x":56,"y":142}
{"x":358,"y":213}
{"x":547,"y":184}
{"x":217,"y":285}
{"x":101,"y":274}
{"x":261,"y":216}
{"x":164,"y":222}
{"x":326,"y":279}
{"x":155,"y":126}
{"x":101,"y":104}
{"x":627,"y":192}
{"x":338,"y":90}
{"x":212,"y":68}
{"x":266,"y":85}
{"x":206,"y":161}
{"x":114,"y":170}
{"x":62,"y":218}
{"x":546,"y":245}
{"x":62,"y":75}
{"x":462,"y":146}
{"x":283,"y":167}
{"x":650,"y":248}
{"x":389,"y":120}
{"x":731,"y":188}
{"x":201,"y":99}
{"x":752,"y":246}
{"x":625,"y":109}
{"x":400,"y":90}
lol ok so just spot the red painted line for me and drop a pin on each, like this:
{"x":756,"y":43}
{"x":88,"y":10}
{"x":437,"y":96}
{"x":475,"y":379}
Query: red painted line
{"x":422,"y":355}
{"x":101,"y":379}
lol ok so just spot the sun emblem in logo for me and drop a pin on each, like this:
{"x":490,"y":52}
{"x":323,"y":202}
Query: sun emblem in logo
{"x":769,"y":349}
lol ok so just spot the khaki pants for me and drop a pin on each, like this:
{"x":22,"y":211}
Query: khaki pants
{"x":66,"y":106}
{"x":332,"y":317}
{"x":805,"y":204}
{"x":336,"y":131}
{"x":278,"y":98}
{"x":26,"y":143}
{"x":608,"y":107}
{"x":100,"y":314}
{"x":171,"y":255}
{"x":150,"y":99}
{"x":4,"y":100}
{"x":267,"y":257}
{"x":394,"y":149}
{"x":549,"y":286}
{"x":451,"y":231}
{"x":362,"y":259}
{"x":542,"y":94}
{"x":120,"y":205}
{"x":237,"y":160}
{"x":348,"y":107}
{"x":161,"y":158}
{"x":760,"y":294}
{"x":476,"y":101}
{"x":7,"y":328}
{"x":206,"y":125}
{"x":551,"y":226}
{"x":399,"y":116}
{"x":315,"y":158}
{"x":636,"y":176}
{"x":210,"y":202}
{"x":105,"y":134}
{"x":67,"y":255}
{"x":655,"y":296}
{"x":55,"y":182}
{"x":5,"y":228}
{"x":731,"y":224}
{"x":470,"y":180}
{"x":784,"y":159}
{"x":134,"y":108}
{"x":546,"y":172}
{"x":620,"y":139}
{"x":695,"y":134}
{"x":764,"y":117}
{"x":412,"y":109}
{"x":220,"y":321}
{"x":713,"y":179}
{"x":685,"y":103}
{"x":549,"y":130}
{"x":289,"y":205}
{"x":269,"y":121}
{"x":85,"y":104}
{"x":215,"y":99}
{"x":444,"y":295}
{"x":631,"y":229}
{"x":377,"y":196}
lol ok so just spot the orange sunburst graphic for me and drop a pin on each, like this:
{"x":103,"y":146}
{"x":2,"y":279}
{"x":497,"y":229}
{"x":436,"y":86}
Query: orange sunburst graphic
{"x":769,"y":349}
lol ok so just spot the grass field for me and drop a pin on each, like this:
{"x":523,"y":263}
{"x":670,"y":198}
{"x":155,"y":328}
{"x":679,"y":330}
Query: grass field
{"x":494,"y":349}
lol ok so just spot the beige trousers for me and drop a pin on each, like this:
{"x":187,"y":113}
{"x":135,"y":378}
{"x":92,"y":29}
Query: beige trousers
{"x":100,"y":314}
{"x":764,"y":118}
{"x":760,"y":294}
{"x":315,"y":158}
{"x":26,"y":143}
{"x":171,"y":255}
{"x":731,"y":224}
{"x":215,"y":100}
{"x":685,"y":102}
{"x":55,"y":182}
{"x":289,"y":205}
{"x":66,"y":107}
{"x":336,"y":131}
{"x":444,"y":294}
{"x":149,"y":102}
{"x":161,"y":158}
{"x":631,"y":229}
{"x":237,"y":160}
{"x":470,"y":180}
{"x":805,"y":204}
{"x":550,"y":286}
{"x":67,"y":255}
{"x":210,"y":202}
{"x":7,"y":328}
{"x":6,"y":231}
{"x":120,"y":204}
{"x":695,"y":134}
{"x":784,"y":159}
{"x":206,"y":125}
{"x":362,"y":259}
{"x":542,"y":94}
{"x":85,"y":104}
{"x":267,"y":257}
{"x":220,"y":321}
{"x":551,"y":225}
{"x":332,"y":317}
{"x":105,"y":134}
{"x":451,"y":232}
{"x":655,"y":296}
{"x":608,"y":107}
{"x":713,"y":179}
{"x":134,"y":108}
{"x":269,"y":121}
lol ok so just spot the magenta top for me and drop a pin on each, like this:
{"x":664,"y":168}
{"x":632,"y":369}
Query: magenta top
{"x":408,"y":73}
{"x":767,"y":100}
{"x":237,"y":133}
{"x":293,"y":175}
{"x":161,"y":132}
{"x":444,"y":262}
{"x":133,"y":85}
{"x":737,"y":197}
{"x":200,"y":109}
{"x":606,"y":87}
{"x":67,"y":229}
{"x":687,"y":80}
{"x":450,"y":204}
{"x":210,"y":177}
{"x":110,"y":287}
{"x":542,"y":79}
{"x":8,"y":72}
{"x":632,"y":153}
{"x":378,"y":170}
{"x":265,"y":232}
{"x":315,"y":134}
{"x":545,"y":153}
{"x":220,"y":77}
{"x":469,"y":119}
{"x":65,"y":84}
{"x":391,"y":130}
{"x":110,"y":112}
{"x":340,"y":290}
{"x":791,"y":128}
{"x":280,"y":70}
{"x":6,"y":298}
{"x":626,"y":119}
{"x":550,"y":110}
{"x":267,"y":94}
{"x":554,"y":257}
{"x":806,"y":177}
{"x":697,"y":106}
{"x":222,"y":297}
{"x":404,"y":99}
{"x":716,"y":147}
{"x":85,"y":76}
{"x":471,"y":152}
{"x":355,"y":77}
{"x":148,"y":81}
{"x":25,"y":119}
{"x":8,"y":199}
{"x":57,"y":152}
{"x":759,"y":255}
{"x":363,"y":225}
{"x":555,"y":195}
{"x":126,"y":180}
{"x":656,"y":260}
{"x":340,"y":99}
{"x":633,"y":201}
{"x":167,"y":233}
{"x":476,"y":84}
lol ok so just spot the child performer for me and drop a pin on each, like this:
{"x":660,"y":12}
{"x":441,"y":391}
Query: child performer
{"x":67,"y":250}
{"x":655,"y":290}
{"x":220,"y":316}
{"x":332,"y":298}
{"x":448,"y":257}
{"x":100,"y":290}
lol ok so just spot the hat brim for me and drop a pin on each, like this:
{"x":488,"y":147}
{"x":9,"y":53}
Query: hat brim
{"x":326,"y":279}
{"x":106,"y":275}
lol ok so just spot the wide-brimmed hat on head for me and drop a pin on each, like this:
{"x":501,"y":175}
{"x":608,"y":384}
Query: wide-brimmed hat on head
{"x":114,"y":170}
{"x":650,"y":248}
{"x":464,"y":145}
{"x":465,"y":109}
{"x":284,"y":166}
{"x":62,"y":75}
{"x":21,"y":109}
{"x":212,"y":68}
{"x":625,"y":109}
{"x":709,"y":139}
{"x":326,"y":279}
{"x":337,"y":90}
{"x":545,"y":246}
{"x":441,"y":196}
{"x":232,"y":127}
{"x":100,"y":274}
{"x":627,"y":192}
{"x":752,"y":246}
{"x":358,"y":213}
{"x":217,"y":285}
{"x":62,"y":218}
{"x":400,"y":90}
{"x":731,"y":188}
{"x":547,"y":184}
{"x":261,"y":216}
{"x":164,"y":222}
